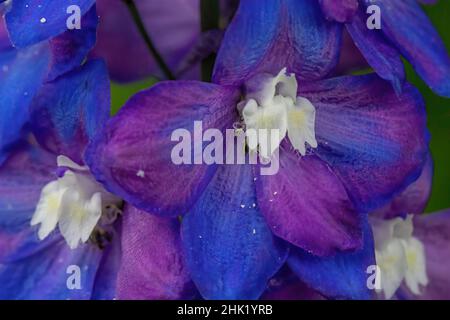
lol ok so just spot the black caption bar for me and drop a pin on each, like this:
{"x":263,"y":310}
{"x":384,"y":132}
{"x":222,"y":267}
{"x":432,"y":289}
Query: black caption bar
{"x":245,"y":310}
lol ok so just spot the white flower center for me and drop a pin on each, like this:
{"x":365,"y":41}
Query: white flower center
{"x":76,"y":203}
{"x":271,"y":110}
{"x":400,"y":256}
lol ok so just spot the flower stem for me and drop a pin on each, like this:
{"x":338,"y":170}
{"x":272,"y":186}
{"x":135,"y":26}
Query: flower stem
{"x":210,"y":16}
{"x":148,"y":40}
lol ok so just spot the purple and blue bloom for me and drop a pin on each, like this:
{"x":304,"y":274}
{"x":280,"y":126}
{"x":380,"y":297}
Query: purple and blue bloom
{"x":349,"y":146}
{"x":44,"y":184}
{"x":405,"y":31}
{"x":53,"y":215}
{"x":53,"y":103}
{"x":352,"y":144}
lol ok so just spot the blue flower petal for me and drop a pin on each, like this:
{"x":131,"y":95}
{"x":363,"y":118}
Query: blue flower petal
{"x":379,"y":53}
{"x":410,"y":30}
{"x":21,"y":75}
{"x":267,"y":35}
{"x":35,"y":269}
{"x":23,"y":72}
{"x":343,"y":276}
{"x":45,"y":275}
{"x":229,"y":249}
{"x":32,"y":21}
{"x":67,"y":113}
{"x":30,"y":268}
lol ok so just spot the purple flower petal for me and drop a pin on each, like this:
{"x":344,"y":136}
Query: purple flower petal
{"x":174,"y":26}
{"x":342,"y":276}
{"x":152,"y":263}
{"x":22,"y":177}
{"x":375,"y":141}
{"x":409,"y":28}
{"x":67,"y":113}
{"x":414,"y":199}
{"x":306,"y":204}
{"x":230,"y":251}
{"x":339,"y":10}
{"x":132,"y":157}
{"x":266,"y":36}
{"x":384,"y":58}
{"x":33,"y":21}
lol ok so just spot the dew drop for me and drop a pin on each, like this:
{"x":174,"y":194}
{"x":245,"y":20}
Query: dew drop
{"x":140,"y":174}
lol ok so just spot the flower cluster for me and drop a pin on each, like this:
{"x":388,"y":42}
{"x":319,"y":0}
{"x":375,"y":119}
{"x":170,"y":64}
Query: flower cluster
{"x":147,"y":204}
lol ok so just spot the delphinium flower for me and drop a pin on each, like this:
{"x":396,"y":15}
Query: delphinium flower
{"x":405,"y":30}
{"x":411,"y":248}
{"x":43,"y":49}
{"x":53,"y":214}
{"x":348,"y":145}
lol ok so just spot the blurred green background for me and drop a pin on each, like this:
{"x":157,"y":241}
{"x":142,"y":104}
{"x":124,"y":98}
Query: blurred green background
{"x":438,"y":111}
{"x":438,"y":115}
